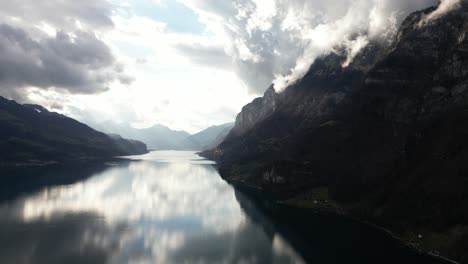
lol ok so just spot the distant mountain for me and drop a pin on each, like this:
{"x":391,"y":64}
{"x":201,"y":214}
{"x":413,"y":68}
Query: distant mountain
{"x":31,"y":132}
{"x":159,"y":137}
{"x":384,"y":139}
{"x":208,"y":138}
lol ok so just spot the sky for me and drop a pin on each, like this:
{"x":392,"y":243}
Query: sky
{"x":186,"y":64}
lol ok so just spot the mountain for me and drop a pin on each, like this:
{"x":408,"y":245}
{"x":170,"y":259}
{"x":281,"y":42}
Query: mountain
{"x":131,"y":146}
{"x":256,"y":111}
{"x":160,"y":137}
{"x":156,"y":137}
{"x":31,"y":132}
{"x":384,"y":140}
{"x":208,"y":138}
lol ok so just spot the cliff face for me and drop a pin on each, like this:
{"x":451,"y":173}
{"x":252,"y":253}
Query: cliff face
{"x":255,"y":112}
{"x":385,"y":139}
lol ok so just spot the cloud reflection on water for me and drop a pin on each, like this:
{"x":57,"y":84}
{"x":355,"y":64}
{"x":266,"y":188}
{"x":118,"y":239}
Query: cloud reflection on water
{"x":174,"y":210}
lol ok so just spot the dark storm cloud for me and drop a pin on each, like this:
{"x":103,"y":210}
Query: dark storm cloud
{"x":73,"y":59}
{"x":78,"y":63}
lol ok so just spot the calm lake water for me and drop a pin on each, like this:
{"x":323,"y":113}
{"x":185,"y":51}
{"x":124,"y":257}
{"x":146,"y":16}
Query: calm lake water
{"x":163,"y":207}
{"x":166,"y":207}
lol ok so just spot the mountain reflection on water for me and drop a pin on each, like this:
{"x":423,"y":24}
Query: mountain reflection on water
{"x":163,"y":207}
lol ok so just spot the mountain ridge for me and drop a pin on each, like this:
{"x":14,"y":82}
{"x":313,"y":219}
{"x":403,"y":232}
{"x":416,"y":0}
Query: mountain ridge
{"x":209,"y":137}
{"x":384,"y":139}
{"x":31,"y":132}
{"x":160,"y":137}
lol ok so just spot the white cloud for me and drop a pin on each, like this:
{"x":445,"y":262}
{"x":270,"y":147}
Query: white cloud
{"x":168,"y":89}
{"x":444,"y":7}
{"x":196,"y":92}
{"x":207,"y":77}
{"x":353,"y":47}
{"x":256,"y":31}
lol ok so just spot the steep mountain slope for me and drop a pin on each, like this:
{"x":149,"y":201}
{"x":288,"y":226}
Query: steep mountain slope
{"x":256,"y":111}
{"x":32,"y":132}
{"x":208,"y":138}
{"x":385,"y":139}
{"x":220,"y":137}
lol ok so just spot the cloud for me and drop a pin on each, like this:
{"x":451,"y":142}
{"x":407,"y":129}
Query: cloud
{"x":67,"y":15}
{"x":277,"y":40}
{"x":57,"y":45}
{"x":353,"y":48}
{"x":76,"y":63}
{"x":444,"y":7}
{"x":204,"y":54}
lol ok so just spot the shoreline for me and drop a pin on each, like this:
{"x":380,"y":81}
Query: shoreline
{"x":260,"y":197}
{"x":9,"y":164}
{"x":403,"y":241}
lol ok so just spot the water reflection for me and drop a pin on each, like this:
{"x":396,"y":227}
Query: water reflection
{"x":62,"y":238}
{"x":165,"y":207}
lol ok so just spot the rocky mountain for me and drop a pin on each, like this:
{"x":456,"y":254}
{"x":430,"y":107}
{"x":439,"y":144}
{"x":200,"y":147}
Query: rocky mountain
{"x":160,"y":137}
{"x":256,"y":111}
{"x":31,"y":132}
{"x":384,"y":140}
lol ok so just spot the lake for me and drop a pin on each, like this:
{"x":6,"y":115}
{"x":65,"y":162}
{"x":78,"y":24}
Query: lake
{"x":165,"y":207}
